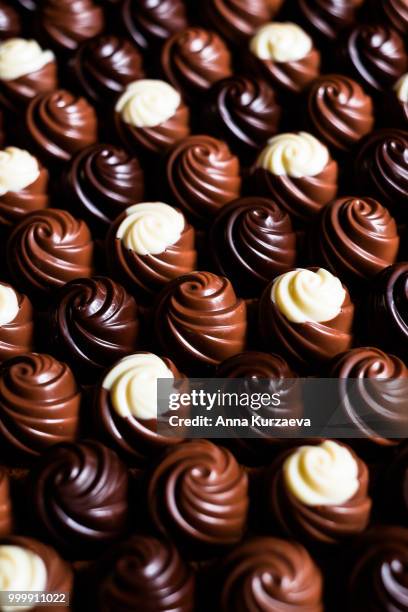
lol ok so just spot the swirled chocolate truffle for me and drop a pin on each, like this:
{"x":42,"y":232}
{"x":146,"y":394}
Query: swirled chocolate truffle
{"x":126,"y":406}
{"x":328,"y":18}
{"x":104,"y":66}
{"x":193,"y":59}
{"x":297,"y":171}
{"x":25,"y":71}
{"x":355,"y":238}
{"x":339,"y":111}
{"x":39,"y":404}
{"x":375,"y":56}
{"x":23,"y":185}
{"x":307,"y":317}
{"x":94,"y":323}
{"x":372,"y":393}
{"x":270,"y":575}
{"x":284,"y":55}
{"x":199,"y":320}
{"x":381,"y":169}
{"x":243,"y":111}
{"x":147,"y":574}
{"x":67,"y":24}
{"x":16,"y":323}
{"x":10,"y":24}
{"x":149,"y":24}
{"x":27,"y":564}
{"x":150,"y":117}
{"x":237,"y":20}
{"x":378,"y":578}
{"x":60,"y":124}
{"x":6,"y":513}
{"x":318,"y":493}
{"x":202,"y":176}
{"x":252,"y":241}
{"x":197,"y":494}
{"x":101,"y":182}
{"x":79,"y":495}
{"x":386,"y":310}
{"x":399,"y":101}
{"x":47,"y":249}
{"x":148,"y":245}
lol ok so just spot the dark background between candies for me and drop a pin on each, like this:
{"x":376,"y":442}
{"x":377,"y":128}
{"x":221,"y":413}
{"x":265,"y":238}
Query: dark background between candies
{"x":134,"y":521}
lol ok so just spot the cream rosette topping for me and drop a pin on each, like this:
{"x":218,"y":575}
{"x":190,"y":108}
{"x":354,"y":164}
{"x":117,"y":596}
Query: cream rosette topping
{"x":8,"y":305}
{"x":150,"y":228}
{"x":21,"y":570}
{"x":18,"y":170}
{"x":19,"y":57}
{"x":324,"y":475}
{"x":132,"y":385}
{"x":401,"y":88}
{"x":294,"y":154}
{"x":148,"y":102}
{"x":305,"y":296}
{"x":281,"y":42}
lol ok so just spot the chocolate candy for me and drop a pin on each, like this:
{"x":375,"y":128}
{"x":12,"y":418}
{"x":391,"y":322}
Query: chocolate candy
{"x":66,"y":24}
{"x":10,"y":24}
{"x":318,"y":493}
{"x":355,"y":238}
{"x":6,"y":513}
{"x":328,"y":18}
{"x":202,"y":176}
{"x":237,"y":20}
{"x":197,"y":494}
{"x":16,"y":323}
{"x":146,"y":574}
{"x":339,"y":111}
{"x":39,"y":404}
{"x":47,"y":249}
{"x":104,"y":66}
{"x":94,"y":323}
{"x":101,"y":182}
{"x":398,"y":100}
{"x":200,"y":321}
{"x":79,"y":496}
{"x":60,"y":124}
{"x":252,"y":241}
{"x":148,"y":245}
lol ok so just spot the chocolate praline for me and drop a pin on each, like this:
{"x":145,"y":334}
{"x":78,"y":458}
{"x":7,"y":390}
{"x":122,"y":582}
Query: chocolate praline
{"x":94,"y":322}
{"x":101,"y":182}
{"x":328,"y":18}
{"x":251,"y":242}
{"x":79,"y":496}
{"x":105,"y":65}
{"x":237,"y":20}
{"x":10,"y":24}
{"x":39,"y":404}
{"x":6,"y":512}
{"x":17,"y":334}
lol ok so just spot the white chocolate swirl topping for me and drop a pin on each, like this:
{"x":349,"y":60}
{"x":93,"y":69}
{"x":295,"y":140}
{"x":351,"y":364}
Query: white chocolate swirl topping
{"x":150,"y":228}
{"x":304,"y":296}
{"x":18,"y":170}
{"x":19,"y":57}
{"x":148,"y":102}
{"x":281,"y":42}
{"x":326,"y":474}
{"x":132,"y":385}
{"x":8,"y":305}
{"x":21,"y":570}
{"x":294,"y":154}
{"x":401,"y":88}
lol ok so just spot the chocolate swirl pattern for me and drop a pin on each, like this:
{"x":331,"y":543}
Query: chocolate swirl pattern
{"x":339,"y":111}
{"x":197,"y":494}
{"x":47,"y":249}
{"x":6,"y":516}
{"x":200,"y":321}
{"x":79,"y":493}
{"x":94,"y":323}
{"x":375,"y":56}
{"x":236,"y":20}
{"x":105,"y":65}
{"x":194,"y":59}
{"x":270,"y":574}
{"x":17,"y":326}
{"x":396,"y":11}
{"x":60,"y":124}
{"x":39,"y":404}
{"x":355,"y":238}
{"x":252,"y":241}
{"x":101,"y":182}
{"x":244,"y":112}
{"x":330,"y":17}
{"x":67,"y":24}
{"x":149,"y":24}
{"x":202,"y":176}
{"x":146,"y":574}
{"x":10,"y":24}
